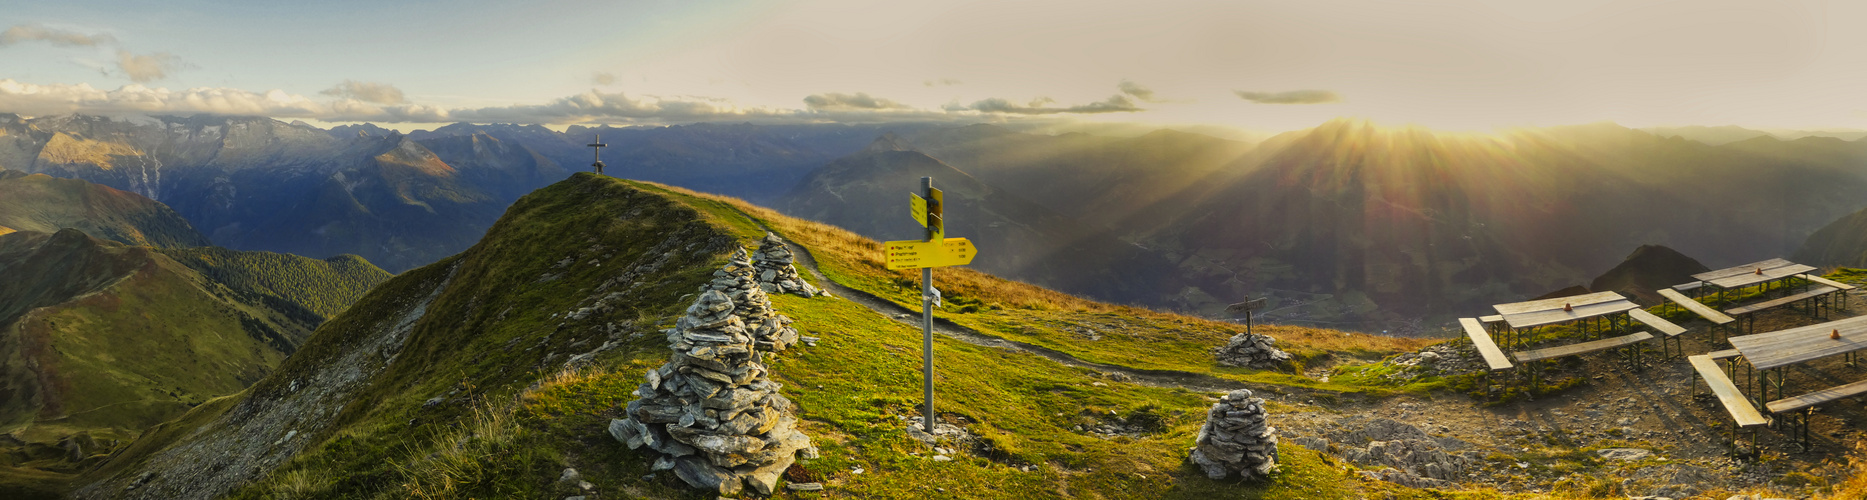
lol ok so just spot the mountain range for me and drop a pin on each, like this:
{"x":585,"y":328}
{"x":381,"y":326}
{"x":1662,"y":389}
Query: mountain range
{"x":1347,"y":224}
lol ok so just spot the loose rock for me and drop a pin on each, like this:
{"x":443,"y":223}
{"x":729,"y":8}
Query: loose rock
{"x":711,"y":410}
{"x":1237,"y":438}
{"x":1250,"y":350}
{"x":738,"y":280}
{"x":776,"y":274}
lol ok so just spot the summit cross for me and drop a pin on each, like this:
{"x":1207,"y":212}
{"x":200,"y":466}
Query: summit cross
{"x":596,"y":147}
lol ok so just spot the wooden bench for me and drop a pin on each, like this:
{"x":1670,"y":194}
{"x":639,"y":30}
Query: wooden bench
{"x":1581,"y":348}
{"x":1825,"y":281}
{"x":1702,"y":310}
{"x":1806,"y":401}
{"x":1724,"y":354}
{"x":1687,"y":287}
{"x":1481,"y":340}
{"x":1749,"y":311}
{"x":1742,"y":413}
{"x":1799,"y":422}
{"x":1530,"y":357}
{"x":1669,"y":331}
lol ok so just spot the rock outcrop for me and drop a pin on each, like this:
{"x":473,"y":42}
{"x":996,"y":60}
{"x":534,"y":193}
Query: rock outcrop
{"x":738,"y":280}
{"x":1250,"y":350}
{"x":1403,"y":454}
{"x":776,"y":273}
{"x":711,"y":412}
{"x":1237,"y":438}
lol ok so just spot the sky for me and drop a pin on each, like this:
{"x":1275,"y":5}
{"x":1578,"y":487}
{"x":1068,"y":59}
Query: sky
{"x":1267,"y":66}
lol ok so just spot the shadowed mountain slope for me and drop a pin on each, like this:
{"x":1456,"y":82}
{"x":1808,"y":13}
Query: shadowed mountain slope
{"x":1649,"y":268}
{"x":1016,"y":238}
{"x":261,"y":184}
{"x":46,"y":204}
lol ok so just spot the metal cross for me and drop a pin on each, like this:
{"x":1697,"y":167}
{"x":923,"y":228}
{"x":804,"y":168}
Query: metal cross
{"x":596,"y":147}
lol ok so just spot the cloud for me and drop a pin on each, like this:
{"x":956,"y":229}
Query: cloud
{"x":40,"y":33}
{"x":603,"y":79}
{"x":857,"y":101}
{"x":943,"y":82}
{"x":1135,"y":89}
{"x":358,"y":101}
{"x":1290,"y":97}
{"x":370,"y":92}
{"x":29,"y":99}
{"x":147,"y":67}
{"x":1114,"y":104}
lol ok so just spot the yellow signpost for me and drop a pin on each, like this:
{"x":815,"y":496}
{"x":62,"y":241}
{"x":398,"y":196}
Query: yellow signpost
{"x":916,"y":254}
{"x":936,"y":250}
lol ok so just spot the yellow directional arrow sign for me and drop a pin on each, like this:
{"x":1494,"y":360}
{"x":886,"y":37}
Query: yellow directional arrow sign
{"x":918,"y":206}
{"x":915,"y":254}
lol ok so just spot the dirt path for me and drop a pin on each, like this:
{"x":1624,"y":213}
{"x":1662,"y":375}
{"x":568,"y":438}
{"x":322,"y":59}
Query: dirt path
{"x":1156,"y":378}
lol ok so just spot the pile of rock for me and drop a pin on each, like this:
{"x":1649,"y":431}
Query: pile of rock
{"x":776,"y":274}
{"x":1250,"y":350}
{"x":1404,"y":453}
{"x":1236,"y":438}
{"x":770,"y":331}
{"x":710,"y":412}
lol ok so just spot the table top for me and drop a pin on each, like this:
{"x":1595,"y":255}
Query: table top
{"x":1747,"y":274}
{"x":1801,"y":344}
{"x":1549,"y":311}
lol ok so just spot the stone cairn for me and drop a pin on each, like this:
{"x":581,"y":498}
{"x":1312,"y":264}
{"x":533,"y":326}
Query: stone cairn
{"x":711,"y":412}
{"x":1251,"y":350}
{"x":1236,"y":438}
{"x":776,"y":274}
{"x":771,"y":332}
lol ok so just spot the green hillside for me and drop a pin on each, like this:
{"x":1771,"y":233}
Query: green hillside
{"x":326,"y":286}
{"x":488,"y":374}
{"x":99,"y":341}
{"x":485,"y":375}
{"x":46,"y":204}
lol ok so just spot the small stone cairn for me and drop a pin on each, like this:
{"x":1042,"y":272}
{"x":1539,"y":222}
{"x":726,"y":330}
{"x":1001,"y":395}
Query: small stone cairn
{"x":1236,"y":438}
{"x":1250,"y":350}
{"x":711,"y":413}
{"x":771,"y":332}
{"x":776,"y":274}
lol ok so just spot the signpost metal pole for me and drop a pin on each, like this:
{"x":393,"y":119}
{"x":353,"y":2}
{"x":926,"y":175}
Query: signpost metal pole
{"x":927,"y":418}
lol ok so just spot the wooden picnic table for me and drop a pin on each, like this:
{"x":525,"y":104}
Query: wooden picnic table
{"x":1550,"y":311}
{"x":1769,"y":353}
{"x":1752,"y":274}
{"x":1802,"y":344}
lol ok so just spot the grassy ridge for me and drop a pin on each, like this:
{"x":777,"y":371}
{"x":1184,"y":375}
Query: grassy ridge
{"x":475,"y":405}
{"x":325,"y":287}
{"x":1088,"y":330}
{"x":497,"y":327}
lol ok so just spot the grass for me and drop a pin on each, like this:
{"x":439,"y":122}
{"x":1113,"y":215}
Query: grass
{"x":478,"y":405}
{"x":1091,"y":331}
{"x":325,"y":287}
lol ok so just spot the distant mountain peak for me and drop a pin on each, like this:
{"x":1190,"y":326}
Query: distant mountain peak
{"x":887,"y":142}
